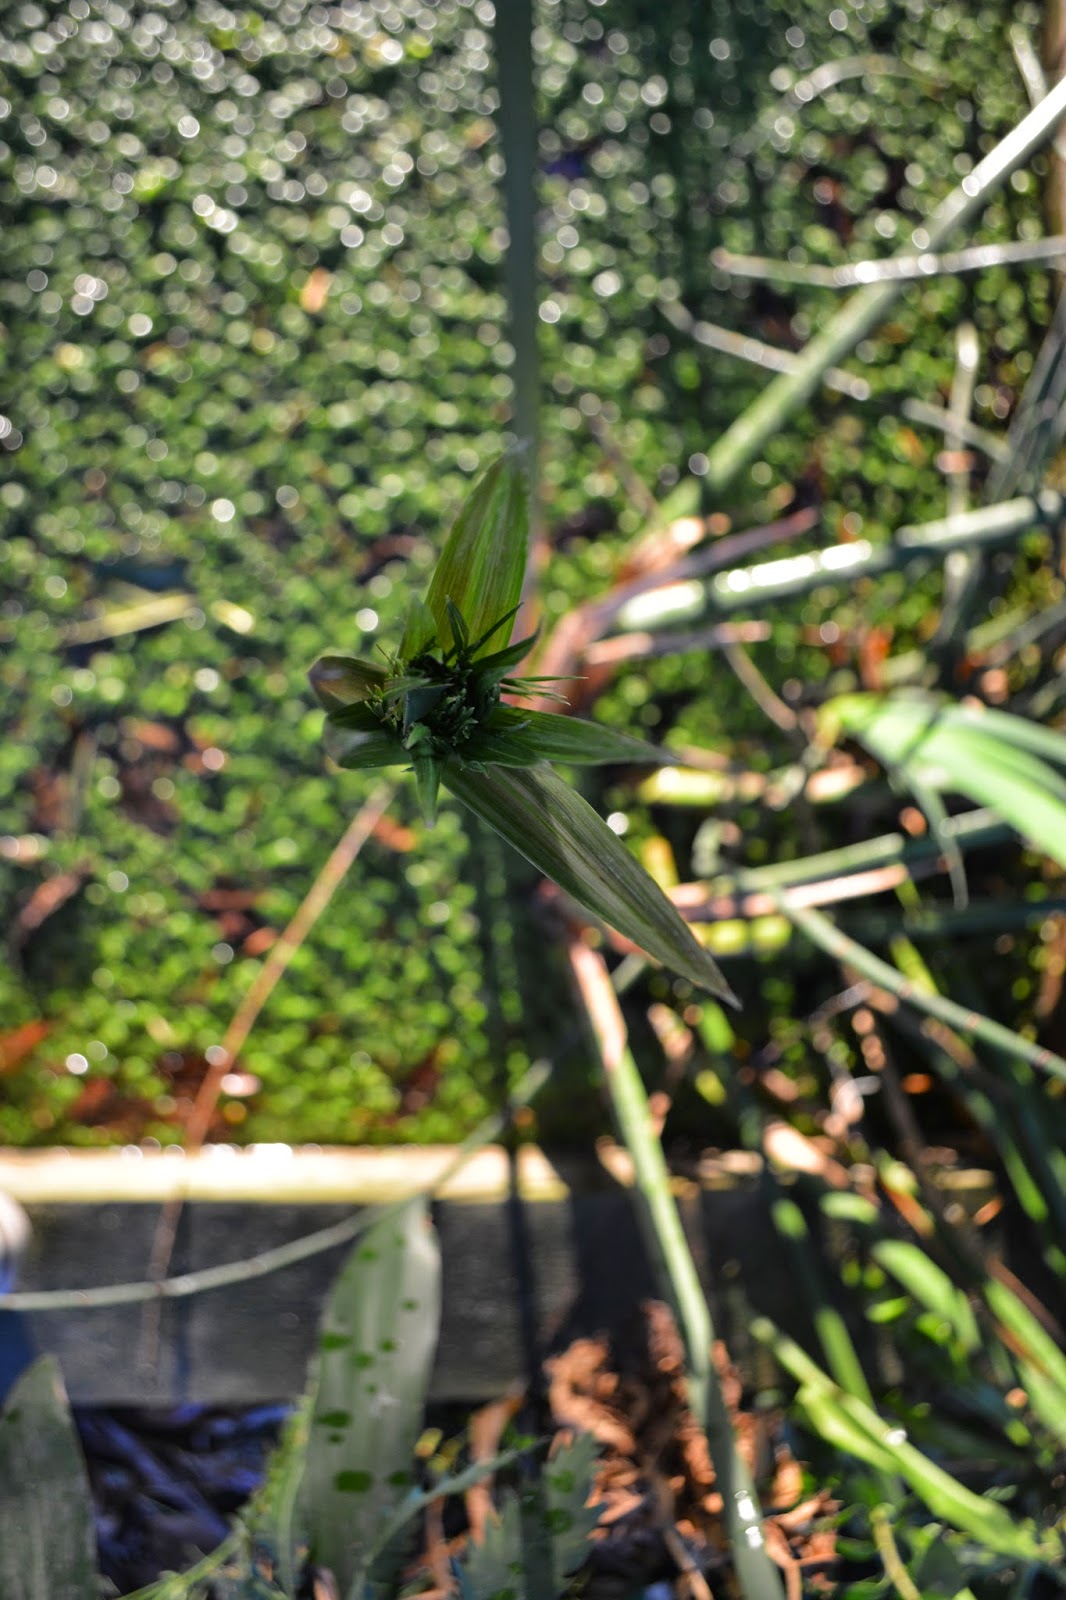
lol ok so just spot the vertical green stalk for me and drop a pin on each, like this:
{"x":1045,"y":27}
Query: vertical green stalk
{"x":757,"y":1576}
{"x":513,"y":30}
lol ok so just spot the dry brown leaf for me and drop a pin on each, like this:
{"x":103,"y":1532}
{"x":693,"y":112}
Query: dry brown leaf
{"x":18,"y":1043}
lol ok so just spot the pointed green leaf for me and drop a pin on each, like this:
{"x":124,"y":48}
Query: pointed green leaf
{"x":554,"y":828}
{"x":456,"y":623}
{"x":368,"y":1390}
{"x":1020,"y":787}
{"x":492,"y":668}
{"x":362,"y":750}
{"x":48,"y":1548}
{"x":517,"y":738}
{"x":483,"y":562}
{"x":427,"y":783}
{"x":345,"y":680}
{"x":930,"y":1285}
{"x":358,"y":716}
{"x":420,"y":631}
{"x":496,"y":627}
{"x":1036,"y":1343}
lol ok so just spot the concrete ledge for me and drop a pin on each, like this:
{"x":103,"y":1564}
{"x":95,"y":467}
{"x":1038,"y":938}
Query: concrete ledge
{"x":278,"y":1173}
{"x":565,"y":1259}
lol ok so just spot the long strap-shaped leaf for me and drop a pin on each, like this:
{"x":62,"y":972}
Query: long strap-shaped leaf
{"x":519,"y":738}
{"x":46,"y":1530}
{"x":553,"y":827}
{"x":994,"y":758}
{"x":368,"y":1390}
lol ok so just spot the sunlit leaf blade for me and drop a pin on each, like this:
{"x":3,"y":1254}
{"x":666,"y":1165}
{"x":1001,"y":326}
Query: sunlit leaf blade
{"x":990,"y":757}
{"x":1031,"y":1338}
{"x":1022,"y":788}
{"x":517,"y":738}
{"x":854,"y":1428}
{"x":358,"y":751}
{"x":344,"y":680}
{"x":483,"y":562}
{"x":902,"y":726}
{"x":554,"y":828}
{"x":931,"y":1287}
{"x":420,"y":630}
{"x":1047,"y":742}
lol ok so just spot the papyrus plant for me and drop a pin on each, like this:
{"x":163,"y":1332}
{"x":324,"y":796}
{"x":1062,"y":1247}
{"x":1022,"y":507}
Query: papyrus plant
{"x":437,"y":705}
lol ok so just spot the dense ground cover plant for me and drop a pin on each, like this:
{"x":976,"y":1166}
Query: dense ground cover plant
{"x":253,"y":270}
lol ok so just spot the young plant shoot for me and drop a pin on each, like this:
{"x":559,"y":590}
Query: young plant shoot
{"x":437,"y":706}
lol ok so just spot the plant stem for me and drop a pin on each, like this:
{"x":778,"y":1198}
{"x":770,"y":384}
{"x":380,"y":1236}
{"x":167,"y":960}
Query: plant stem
{"x":179,"y":1585}
{"x":513,"y":30}
{"x":745,"y":347}
{"x":887,"y":1549}
{"x":757,"y":1576}
{"x":794,"y":575}
{"x":748,"y":587}
{"x":829,"y":938}
{"x":857,"y":274}
{"x":970,"y":830}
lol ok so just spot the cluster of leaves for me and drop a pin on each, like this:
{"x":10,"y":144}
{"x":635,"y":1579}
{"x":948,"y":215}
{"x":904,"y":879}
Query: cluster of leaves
{"x":438,"y":707}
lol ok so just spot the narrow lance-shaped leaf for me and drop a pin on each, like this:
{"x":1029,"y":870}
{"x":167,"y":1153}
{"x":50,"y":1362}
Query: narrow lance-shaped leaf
{"x":517,"y":738}
{"x":853,"y":1426}
{"x":419,"y":632}
{"x":345,"y":680}
{"x":495,"y":666}
{"x":427,"y":783}
{"x":554,"y":828}
{"x":483,"y":563}
{"x":359,"y":717}
{"x":360,"y":751}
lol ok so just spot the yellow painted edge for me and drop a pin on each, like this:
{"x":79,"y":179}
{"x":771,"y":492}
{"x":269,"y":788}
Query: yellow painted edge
{"x":270,"y":1174}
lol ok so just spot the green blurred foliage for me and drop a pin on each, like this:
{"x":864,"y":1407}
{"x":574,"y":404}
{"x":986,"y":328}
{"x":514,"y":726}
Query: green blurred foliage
{"x":254,"y":304}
